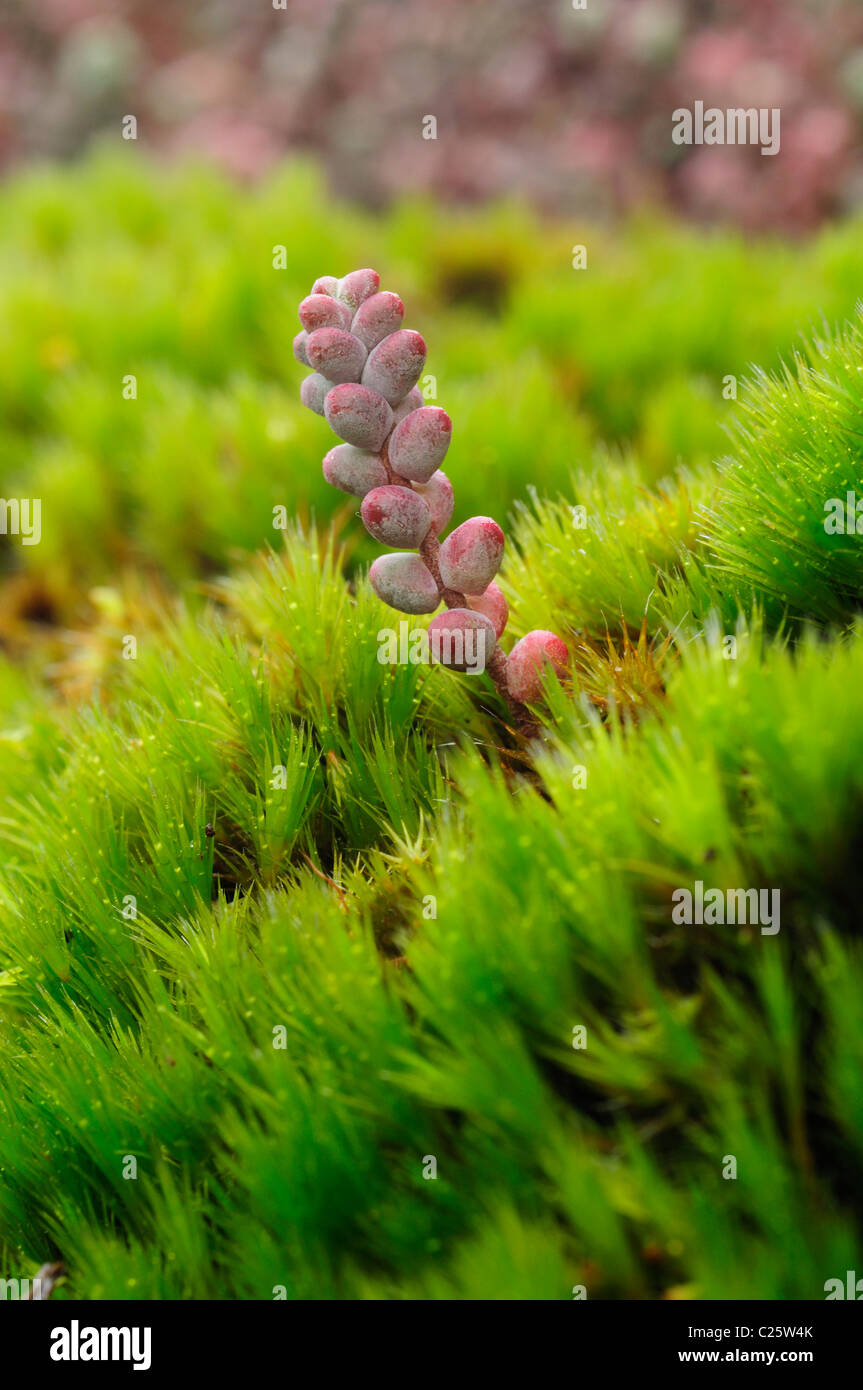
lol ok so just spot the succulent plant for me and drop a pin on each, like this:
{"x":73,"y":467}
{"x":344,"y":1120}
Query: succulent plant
{"x":365,"y":369}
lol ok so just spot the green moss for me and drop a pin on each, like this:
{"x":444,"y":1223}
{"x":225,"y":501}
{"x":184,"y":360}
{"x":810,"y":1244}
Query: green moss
{"x":254,"y":833}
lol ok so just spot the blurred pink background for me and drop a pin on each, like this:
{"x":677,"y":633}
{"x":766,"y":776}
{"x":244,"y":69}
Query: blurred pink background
{"x":570,"y":109}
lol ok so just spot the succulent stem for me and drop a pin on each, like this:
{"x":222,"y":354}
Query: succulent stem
{"x":364,"y":373}
{"x":429,"y":552}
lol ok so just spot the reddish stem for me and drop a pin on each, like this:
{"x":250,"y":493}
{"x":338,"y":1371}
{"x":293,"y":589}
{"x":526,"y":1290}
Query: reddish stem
{"x":429,"y":552}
